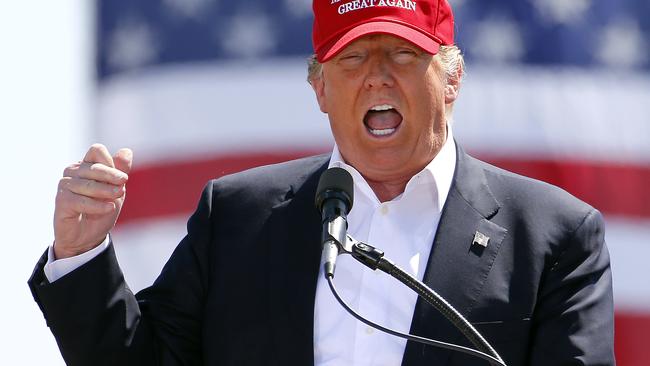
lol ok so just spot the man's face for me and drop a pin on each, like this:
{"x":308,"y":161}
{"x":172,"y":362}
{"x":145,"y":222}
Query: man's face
{"x":385,"y":99}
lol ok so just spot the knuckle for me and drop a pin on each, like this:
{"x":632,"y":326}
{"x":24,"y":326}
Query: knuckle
{"x":63,"y":183}
{"x":70,"y":169}
{"x":63,"y":187}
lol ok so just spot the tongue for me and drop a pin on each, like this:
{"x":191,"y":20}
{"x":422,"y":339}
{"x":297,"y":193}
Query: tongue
{"x":383,"y":120}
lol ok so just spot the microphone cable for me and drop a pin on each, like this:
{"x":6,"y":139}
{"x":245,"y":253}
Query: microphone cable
{"x":431,"y":297}
{"x":431,"y":342}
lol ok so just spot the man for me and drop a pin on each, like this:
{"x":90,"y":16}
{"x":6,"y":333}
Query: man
{"x":524,"y":261}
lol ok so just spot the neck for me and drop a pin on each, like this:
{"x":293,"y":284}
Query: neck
{"x":386,"y":191}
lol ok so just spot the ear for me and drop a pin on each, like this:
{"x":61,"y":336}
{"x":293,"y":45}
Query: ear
{"x":318,"y":84}
{"x":452,"y":88}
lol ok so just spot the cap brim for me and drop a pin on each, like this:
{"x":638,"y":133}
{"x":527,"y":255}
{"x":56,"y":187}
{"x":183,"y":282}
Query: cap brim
{"x":337,"y":44}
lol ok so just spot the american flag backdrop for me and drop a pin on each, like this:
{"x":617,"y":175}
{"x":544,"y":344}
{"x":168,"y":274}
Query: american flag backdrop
{"x":555,"y":89}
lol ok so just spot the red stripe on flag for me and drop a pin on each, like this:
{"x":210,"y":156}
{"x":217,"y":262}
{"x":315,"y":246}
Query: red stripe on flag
{"x":631,"y":339}
{"x":173,"y":188}
{"x":615,"y":189}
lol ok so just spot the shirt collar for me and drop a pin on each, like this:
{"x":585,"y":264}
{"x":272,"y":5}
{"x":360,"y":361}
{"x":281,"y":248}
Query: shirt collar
{"x":439,"y":173}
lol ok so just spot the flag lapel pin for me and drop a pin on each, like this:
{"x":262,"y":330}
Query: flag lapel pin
{"x":481,"y":239}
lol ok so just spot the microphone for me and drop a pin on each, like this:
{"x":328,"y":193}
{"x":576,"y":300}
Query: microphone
{"x":334,"y":197}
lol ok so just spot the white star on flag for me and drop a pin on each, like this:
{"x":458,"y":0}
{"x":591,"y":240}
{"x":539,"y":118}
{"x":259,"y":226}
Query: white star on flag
{"x":192,"y":9}
{"x":621,"y":45}
{"x":497,"y":40}
{"x":132,"y":44}
{"x":562,"y":11}
{"x":298,"y":8}
{"x":248,"y":35}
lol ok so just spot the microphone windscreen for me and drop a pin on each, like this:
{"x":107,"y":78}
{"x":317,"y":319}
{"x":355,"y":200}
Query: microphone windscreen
{"x":335,"y":180}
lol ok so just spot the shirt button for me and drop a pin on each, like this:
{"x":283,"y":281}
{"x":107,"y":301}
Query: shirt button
{"x":370,"y":330}
{"x":384,"y":209}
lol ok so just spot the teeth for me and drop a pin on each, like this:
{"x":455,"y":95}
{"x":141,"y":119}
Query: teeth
{"x":382,"y":107}
{"x":384,"y":132}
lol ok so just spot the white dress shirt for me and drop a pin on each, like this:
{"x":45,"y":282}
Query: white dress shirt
{"x":404,"y":229}
{"x":55,"y":269}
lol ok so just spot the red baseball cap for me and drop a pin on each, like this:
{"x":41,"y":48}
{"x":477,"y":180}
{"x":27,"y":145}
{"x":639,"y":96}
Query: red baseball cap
{"x":425,"y":23}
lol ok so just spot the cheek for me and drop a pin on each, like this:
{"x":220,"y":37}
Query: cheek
{"x":426,"y":98}
{"x":339,"y":107}
{"x":429,"y":107}
{"x":339,"y":99}
{"x":435,"y":93}
{"x":434,"y":85}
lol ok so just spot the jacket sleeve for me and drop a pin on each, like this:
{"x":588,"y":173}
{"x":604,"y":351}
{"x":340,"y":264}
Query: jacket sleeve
{"x":573,"y":322}
{"x":97,"y":320}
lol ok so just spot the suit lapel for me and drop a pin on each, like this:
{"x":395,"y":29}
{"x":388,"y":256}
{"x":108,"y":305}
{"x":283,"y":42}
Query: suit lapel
{"x":293,"y":236}
{"x":457,"y":267}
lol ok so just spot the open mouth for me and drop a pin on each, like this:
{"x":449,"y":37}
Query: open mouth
{"x":382,"y":120}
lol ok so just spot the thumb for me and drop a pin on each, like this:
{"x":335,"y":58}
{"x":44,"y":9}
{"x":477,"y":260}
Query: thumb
{"x":123,"y":160}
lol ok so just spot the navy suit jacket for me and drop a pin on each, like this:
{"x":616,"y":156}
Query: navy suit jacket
{"x":239,"y":289}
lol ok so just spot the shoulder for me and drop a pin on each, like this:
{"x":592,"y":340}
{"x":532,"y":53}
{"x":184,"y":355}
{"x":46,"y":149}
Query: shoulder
{"x":285,"y":172}
{"x":544,"y":222}
{"x":267,"y":183}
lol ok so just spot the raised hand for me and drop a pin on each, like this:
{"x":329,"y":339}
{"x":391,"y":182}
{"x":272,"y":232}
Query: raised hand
{"x":89,"y":199}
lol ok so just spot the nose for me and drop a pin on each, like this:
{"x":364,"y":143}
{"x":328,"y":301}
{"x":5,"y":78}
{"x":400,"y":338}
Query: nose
{"x":379,"y":73}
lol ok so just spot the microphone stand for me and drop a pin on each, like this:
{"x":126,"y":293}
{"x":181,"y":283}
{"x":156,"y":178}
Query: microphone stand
{"x":374,"y":259}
